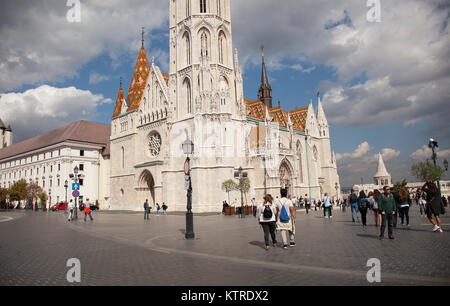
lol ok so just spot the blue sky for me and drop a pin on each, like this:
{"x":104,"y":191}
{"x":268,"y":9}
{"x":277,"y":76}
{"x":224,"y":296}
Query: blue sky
{"x":385,"y":86}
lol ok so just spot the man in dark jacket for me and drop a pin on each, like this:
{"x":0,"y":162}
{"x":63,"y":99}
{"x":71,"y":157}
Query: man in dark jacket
{"x":397,"y":205}
{"x":387,"y":207}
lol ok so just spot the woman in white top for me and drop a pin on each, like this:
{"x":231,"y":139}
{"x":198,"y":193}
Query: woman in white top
{"x":266,"y":214}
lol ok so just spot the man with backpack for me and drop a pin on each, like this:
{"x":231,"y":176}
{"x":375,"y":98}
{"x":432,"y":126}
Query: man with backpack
{"x":286,"y":219}
{"x":164,"y":207}
{"x":353,"y":201}
{"x":327,"y":206}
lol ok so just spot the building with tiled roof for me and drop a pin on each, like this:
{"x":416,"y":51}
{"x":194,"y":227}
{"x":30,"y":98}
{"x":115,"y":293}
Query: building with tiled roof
{"x":49,"y":158}
{"x":202,"y":97}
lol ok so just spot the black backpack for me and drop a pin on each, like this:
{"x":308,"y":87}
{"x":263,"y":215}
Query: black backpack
{"x":267,"y":212}
{"x":353,"y":198}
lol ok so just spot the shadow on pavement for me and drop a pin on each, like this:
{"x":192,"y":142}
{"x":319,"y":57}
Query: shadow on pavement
{"x":258,"y":244}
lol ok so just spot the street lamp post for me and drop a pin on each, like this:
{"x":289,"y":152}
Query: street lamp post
{"x":66,"y":185}
{"x":445,"y":165}
{"x":75,"y":177}
{"x":241,"y":175}
{"x":188,"y":149}
{"x":433,"y":144}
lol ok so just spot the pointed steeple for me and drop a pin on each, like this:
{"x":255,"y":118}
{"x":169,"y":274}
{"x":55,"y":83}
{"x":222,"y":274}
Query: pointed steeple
{"x":119,"y":101}
{"x":321,"y":118}
{"x":265,"y":90}
{"x":140,"y":76}
{"x":381,"y":169}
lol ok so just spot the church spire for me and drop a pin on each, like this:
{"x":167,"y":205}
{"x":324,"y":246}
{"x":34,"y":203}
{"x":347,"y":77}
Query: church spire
{"x":265,"y":90}
{"x":119,"y":101}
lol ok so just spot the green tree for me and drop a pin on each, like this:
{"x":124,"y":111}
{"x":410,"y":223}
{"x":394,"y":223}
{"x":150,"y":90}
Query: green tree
{"x":3,"y":193}
{"x":18,"y":191}
{"x":245,"y":187}
{"x":426,"y":172}
{"x":33,"y":191}
{"x":400,"y":185}
{"x":228,"y":186}
{"x":43,"y":197}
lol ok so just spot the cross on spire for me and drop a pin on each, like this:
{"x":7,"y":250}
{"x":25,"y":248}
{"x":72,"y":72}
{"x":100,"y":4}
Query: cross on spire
{"x":120,"y":82}
{"x":143,"y":33}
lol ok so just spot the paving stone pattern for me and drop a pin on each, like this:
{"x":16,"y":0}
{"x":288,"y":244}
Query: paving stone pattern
{"x":121,"y":248}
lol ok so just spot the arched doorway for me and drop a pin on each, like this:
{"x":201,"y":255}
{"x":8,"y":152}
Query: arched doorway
{"x":285,"y":173}
{"x":147,"y":188}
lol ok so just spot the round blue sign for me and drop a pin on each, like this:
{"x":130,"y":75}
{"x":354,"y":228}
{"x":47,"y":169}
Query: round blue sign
{"x":76,"y":193}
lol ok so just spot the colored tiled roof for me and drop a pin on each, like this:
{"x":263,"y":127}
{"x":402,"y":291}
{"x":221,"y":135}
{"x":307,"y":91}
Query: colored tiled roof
{"x":119,"y":102}
{"x":256,"y":110}
{"x":80,"y":131}
{"x":298,"y":118}
{"x":137,"y":85}
{"x":279,"y":116}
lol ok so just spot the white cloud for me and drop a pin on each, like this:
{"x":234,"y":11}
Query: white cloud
{"x":45,"y":108}
{"x":425,"y":153}
{"x":359,"y":152}
{"x":96,"y":78}
{"x":39,"y":45}
{"x":388,"y":154}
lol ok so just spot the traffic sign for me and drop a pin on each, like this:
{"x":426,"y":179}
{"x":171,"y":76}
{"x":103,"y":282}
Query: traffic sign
{"x":75,"y":186}
{"x":76,"y":193}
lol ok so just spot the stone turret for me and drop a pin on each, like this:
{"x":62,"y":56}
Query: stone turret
{"x":381,"y":177}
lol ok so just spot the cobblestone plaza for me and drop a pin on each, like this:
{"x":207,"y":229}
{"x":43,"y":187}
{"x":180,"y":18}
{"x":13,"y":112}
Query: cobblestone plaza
{"x":120,"y":248}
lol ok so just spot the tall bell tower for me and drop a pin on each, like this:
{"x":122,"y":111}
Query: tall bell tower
{"x":203,"y":78}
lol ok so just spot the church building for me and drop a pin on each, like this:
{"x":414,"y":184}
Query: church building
{"x":202,"y":98}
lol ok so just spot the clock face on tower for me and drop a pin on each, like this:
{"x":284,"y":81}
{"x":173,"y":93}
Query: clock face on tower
{"x":154,"y":144}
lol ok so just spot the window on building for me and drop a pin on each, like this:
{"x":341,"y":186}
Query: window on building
{"x":59,"y":182}
{"x":81,"y":182}
{"x":51,"y":168}
{"x":59,"y":167}
{"x":50,"y":183}
{"x":81,"y":167}
{"x":188,"y":8}
{"x":202,"y":6}
{"x":81,"y":152}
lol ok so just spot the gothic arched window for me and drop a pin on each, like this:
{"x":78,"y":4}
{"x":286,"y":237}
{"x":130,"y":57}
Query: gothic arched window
{"x":222,"y":48}
{"x":204,"y":43}
{"x":202,"y":6}
{"x":187,"y":85}
{"x":188,"y":48}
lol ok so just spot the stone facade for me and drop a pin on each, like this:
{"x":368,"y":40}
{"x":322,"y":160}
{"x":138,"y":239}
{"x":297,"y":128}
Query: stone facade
{"x":202,"y":98}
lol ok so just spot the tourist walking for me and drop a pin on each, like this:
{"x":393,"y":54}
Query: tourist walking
{"x":397,"y":206}
{"x":71,"y":207}
{"x":373,"y":199}
{"x":363,"y":205}
{"x":353,"y":201}
{"x":433,"y":207}
{"x":87,"y":211}
{"x":266,"y":213}
{"x":146,"y":210}
{"x":327,"y":206}
{"x":404,"y":206}
{"x":422,"y":204}
{"x":307,"y":203}
{"x":158,"y":208}
{"x":387,"y":207}
{"x":164,"y":207}
{"x":286,"y":219}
